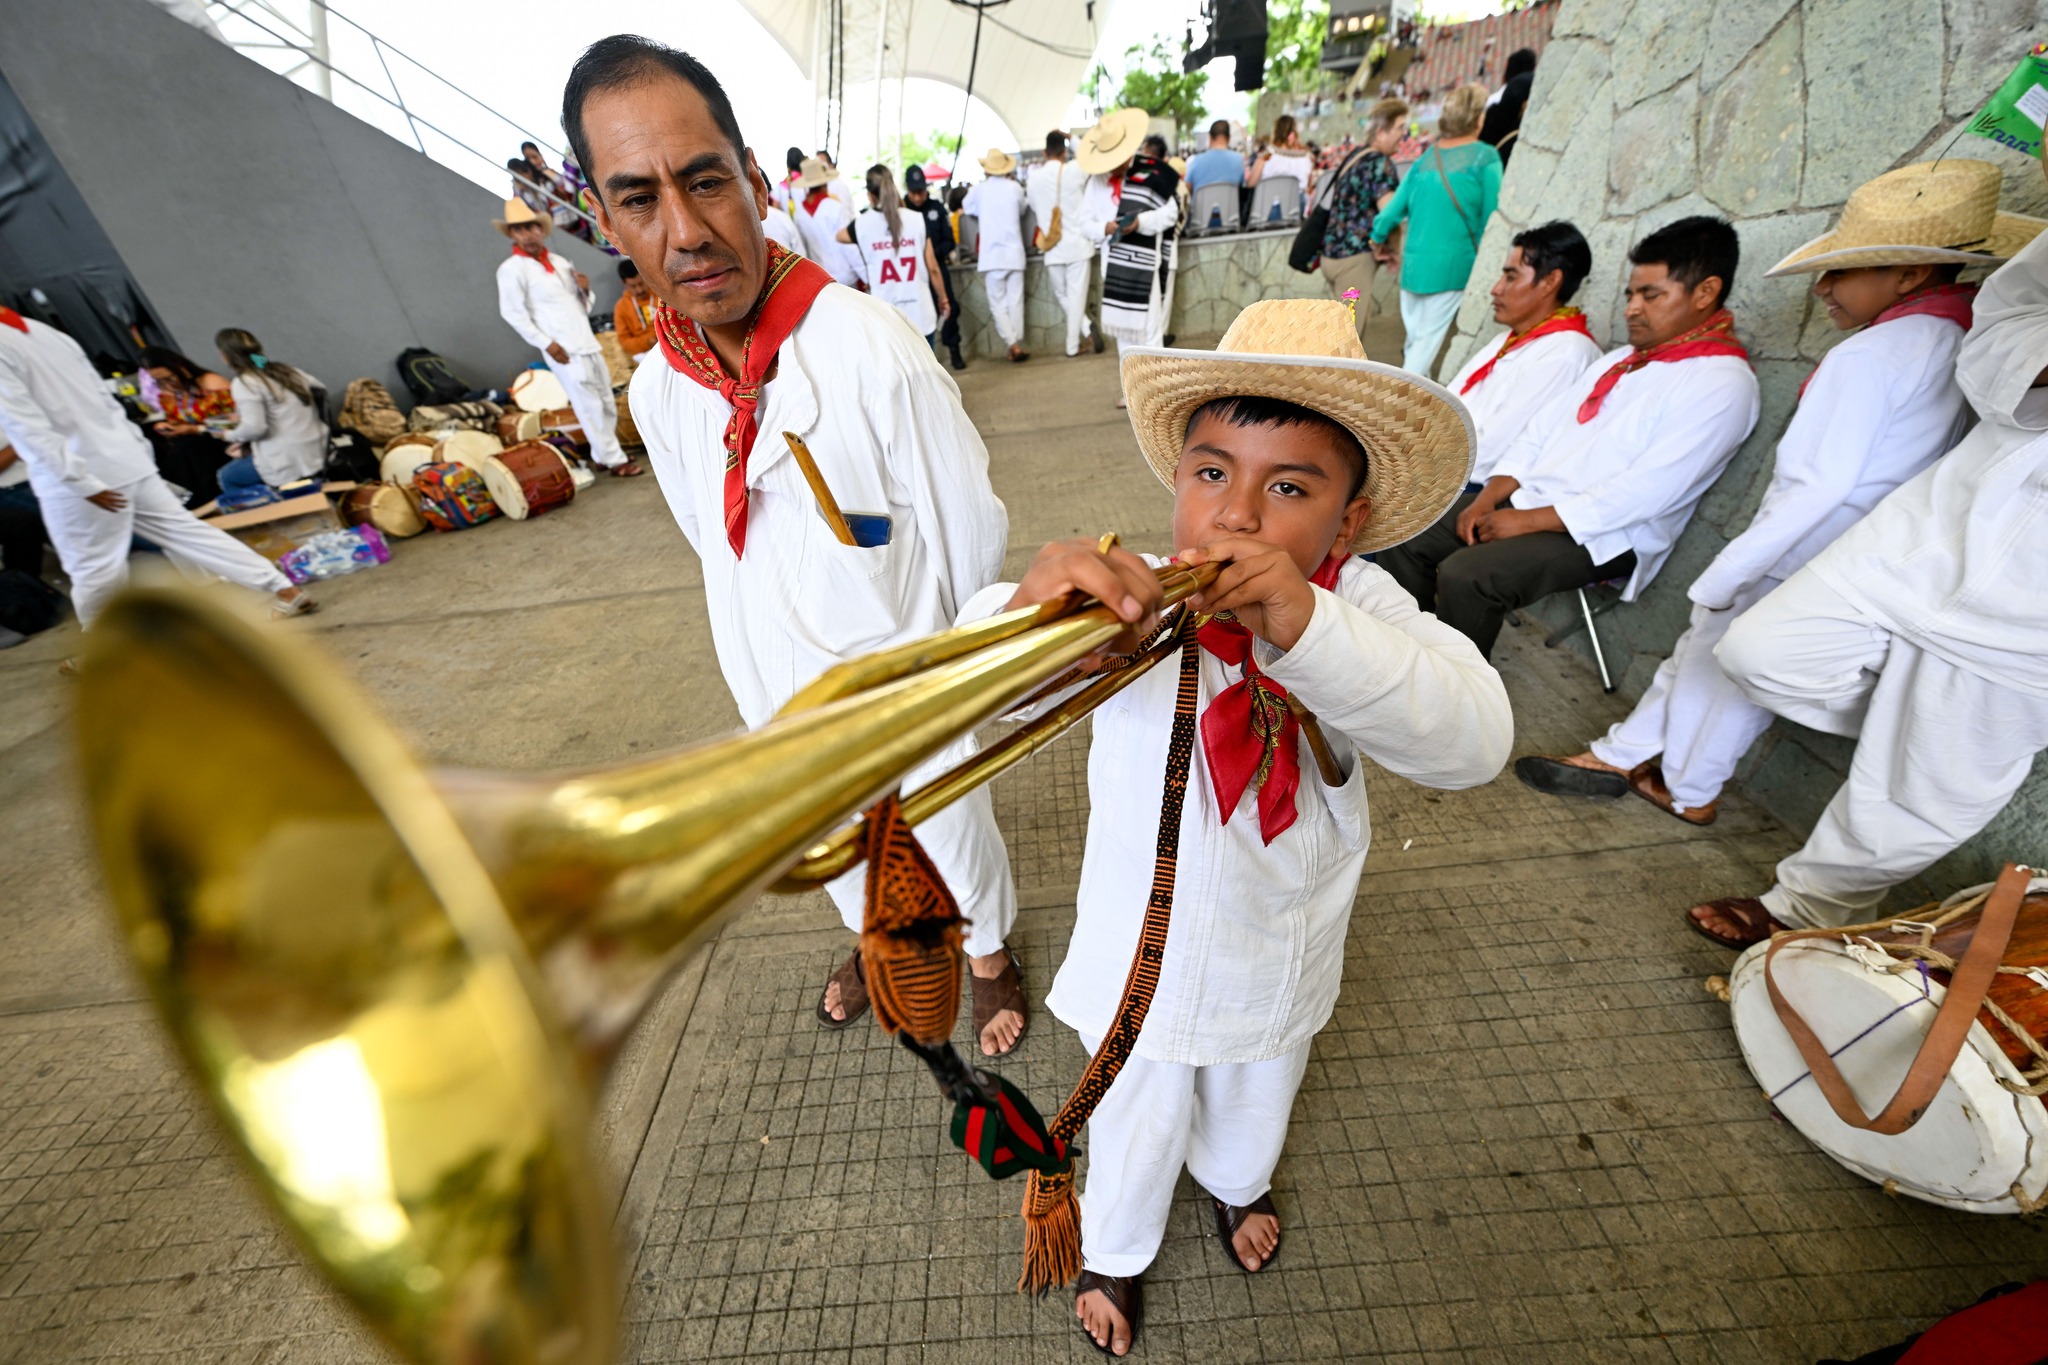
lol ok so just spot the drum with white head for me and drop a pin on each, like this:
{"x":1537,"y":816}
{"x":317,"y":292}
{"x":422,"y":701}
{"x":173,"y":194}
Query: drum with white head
{"x":469,"y":448}
{"x":403,"y":456}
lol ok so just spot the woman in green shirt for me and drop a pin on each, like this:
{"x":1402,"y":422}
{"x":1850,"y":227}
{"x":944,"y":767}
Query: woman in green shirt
{"x":1445,"y":199}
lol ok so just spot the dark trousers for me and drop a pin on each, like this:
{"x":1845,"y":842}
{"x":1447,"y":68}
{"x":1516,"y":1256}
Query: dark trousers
{"x":1472,"y":587}
{"x":949,"y":330}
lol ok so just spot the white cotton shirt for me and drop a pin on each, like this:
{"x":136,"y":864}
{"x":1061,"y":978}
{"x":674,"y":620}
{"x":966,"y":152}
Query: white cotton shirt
{"x":820,"y":227}
{"x":1956,"y":558}
{"x":286,"y":438}
{"x":885,"y":425}
{"x":998,"y":208}
{"x":894,"y":266}
{"x":1630,"y":478}
{"x":1255,"y":949}
{"x":1883,"y":405}
{"x":1300,"y":165}
{"x":57,"y":414}
{"x":1504,"y":403}
{"x":782,"y":230}
{"x":1061,"y":185}
{"x":543,"y":307}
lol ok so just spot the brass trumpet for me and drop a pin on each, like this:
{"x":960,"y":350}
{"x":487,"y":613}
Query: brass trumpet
{"x":397,"y":988}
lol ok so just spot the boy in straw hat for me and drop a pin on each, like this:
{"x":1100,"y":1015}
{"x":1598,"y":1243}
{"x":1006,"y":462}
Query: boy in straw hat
{"x":546,"y":299}
{"x":997,"y":204}
{"x":1881,"y":407}
{"x":1922,"y":629}
{"x":1288,"y":453}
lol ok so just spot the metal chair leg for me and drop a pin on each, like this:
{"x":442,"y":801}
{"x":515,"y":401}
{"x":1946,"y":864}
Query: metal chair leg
{"x":1593,"y":636}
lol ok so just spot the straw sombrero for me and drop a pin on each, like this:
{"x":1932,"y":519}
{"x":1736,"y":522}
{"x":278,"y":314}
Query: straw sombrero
{"x":1114,"y":140}
{"x":517,"y":213}
{"x":998,"y":162}
{"x":1418,"y":439}
{"x":814,"y":173}
{"x":1929,"y":213}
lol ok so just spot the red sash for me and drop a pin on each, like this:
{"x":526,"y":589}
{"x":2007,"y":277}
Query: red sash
{"x":786,"y":294}
{"x":1249,"y":736}
{"x":1715,"y":336}
{"x":539,"y":258}
{"x":1951,"y":301}
{"x":1563,"y":320}
{"x":10,"y":318}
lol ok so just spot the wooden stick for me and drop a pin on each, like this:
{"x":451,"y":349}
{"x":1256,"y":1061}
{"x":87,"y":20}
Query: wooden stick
{"x":827,"y":504}
{"x":1318,"y":744}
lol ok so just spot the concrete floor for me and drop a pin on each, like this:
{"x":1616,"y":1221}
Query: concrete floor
{"x":1526,"y":1135}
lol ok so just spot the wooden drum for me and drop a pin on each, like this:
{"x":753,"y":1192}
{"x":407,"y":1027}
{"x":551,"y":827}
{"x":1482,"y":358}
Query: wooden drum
{"x":403,"y":455}
{"x":385,"y":506}
{"x":469,"y":448}
{"x":529,"y":479}
{"x":514,"y":427}
{"x":628,"y":430}
{"x":1980,"y":1144}
{"x":563,"y":421}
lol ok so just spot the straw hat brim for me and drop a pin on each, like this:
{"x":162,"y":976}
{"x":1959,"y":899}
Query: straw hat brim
{"x":999,"y":165}
{"x":1115,"y":139}
{"x":2009,"y":232}
{"x":1418,"y":438}
{"x":505,"y":225}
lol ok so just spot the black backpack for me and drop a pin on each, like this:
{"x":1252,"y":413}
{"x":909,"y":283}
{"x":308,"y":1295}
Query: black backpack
{"x":428,"y":377}
{"x":350,"y":458}
{"x":27,"y":603}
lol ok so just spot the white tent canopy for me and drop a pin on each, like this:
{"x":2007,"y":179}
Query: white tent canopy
{"x":1034,"y":53}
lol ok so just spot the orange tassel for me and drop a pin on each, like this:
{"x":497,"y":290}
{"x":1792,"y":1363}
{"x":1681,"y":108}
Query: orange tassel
{"x":1052,"y":1233}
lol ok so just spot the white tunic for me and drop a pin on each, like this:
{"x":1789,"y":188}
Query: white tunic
{"x":998,"y":208}
{"x":1630,"y":478}
{"x":1956,"y":559}
{"x":781,"y":229}
{"x":1255,"y":951}
{"x":1061,"y":185}
{"x":1503,"y":403}
{"x":820,"y":226}
{"x":1882,"y":406}
{"x":543,"y":307}
{"x":894,"y":265}
{"x":61,"y":420}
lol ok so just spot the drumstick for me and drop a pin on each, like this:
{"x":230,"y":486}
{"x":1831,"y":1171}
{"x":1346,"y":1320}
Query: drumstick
{"x":827,"y":504}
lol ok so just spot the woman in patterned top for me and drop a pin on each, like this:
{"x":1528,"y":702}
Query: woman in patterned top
{"x":189,"y":453}
{"x":1364,"y":182}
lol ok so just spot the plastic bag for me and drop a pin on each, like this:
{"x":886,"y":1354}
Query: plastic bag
{"x":334,"y":553}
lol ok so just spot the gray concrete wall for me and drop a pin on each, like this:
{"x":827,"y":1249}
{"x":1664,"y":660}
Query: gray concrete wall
{"x":1768,"y":112}
{"x":239,"y":199}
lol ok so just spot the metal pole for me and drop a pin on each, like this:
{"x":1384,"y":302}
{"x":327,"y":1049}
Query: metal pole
{"x":323,"y":76}
{"x":397,"y":94}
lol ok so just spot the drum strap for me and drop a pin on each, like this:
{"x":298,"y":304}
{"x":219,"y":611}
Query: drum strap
{"x":1967,"y":986}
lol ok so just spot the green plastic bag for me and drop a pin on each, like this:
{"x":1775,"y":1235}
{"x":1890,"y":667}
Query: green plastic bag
{"x":2015,"y":115}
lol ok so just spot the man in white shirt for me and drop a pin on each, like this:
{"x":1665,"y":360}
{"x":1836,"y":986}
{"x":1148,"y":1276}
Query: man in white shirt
{"x":96,"y":480}
{"x":820,"y":217}
{"x":755,"y":343}
{"x":1055,"y":190}
{"x":1602,"y":481}
{"x":546,"y":299}
{"x":997,"y":204}
{"x":1922,"y":631}
{"x":1882,"y":406}
{"x":1544,"y":350}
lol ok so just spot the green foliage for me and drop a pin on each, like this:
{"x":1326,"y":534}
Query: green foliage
{"x":1294,"y":44}
{"x":1154,"y":82}
{"x":921,"y":148}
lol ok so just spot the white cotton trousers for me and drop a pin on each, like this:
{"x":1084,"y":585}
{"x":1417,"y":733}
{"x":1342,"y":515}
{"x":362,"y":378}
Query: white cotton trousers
{"x":1226,"y":1124}
{"x":1939,"y":750}
{"x":589,"y":385}
{"x":1070,"y":287}
{"x":92,"y":543}
{"x":1005,"y":289}
{"x":1426,"y":317}
{"x":968,"y":851}
{"x":1692,"y":713}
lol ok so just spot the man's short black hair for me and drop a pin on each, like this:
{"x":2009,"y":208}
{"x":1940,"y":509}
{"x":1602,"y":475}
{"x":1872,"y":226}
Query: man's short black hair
{"x":1220,"y":128}
{"x":1255,"y":410}
{"x":627,"y":59}
{"x":628,"y":271}
{"x":1556,"y":245}
{"x":1693,"y":249}
{"x":1055,"y":143}
{"x":1155,"y":146}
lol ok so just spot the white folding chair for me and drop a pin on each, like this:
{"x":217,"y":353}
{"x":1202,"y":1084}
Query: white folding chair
{"x":1213,"y":209}
{"x":1276,"y":199}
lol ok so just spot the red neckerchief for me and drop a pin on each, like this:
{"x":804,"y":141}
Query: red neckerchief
{"x":811,"y":198}
{"x":10,"y":318}
{"x":1715,"y":336}
{"x":1116,"y":187}
{"x":1563,"y":320}
{"x":786,"y":294}
{"x":1950,"y":301}
{"x":539,"y":258}
{"x":1249,"y":736}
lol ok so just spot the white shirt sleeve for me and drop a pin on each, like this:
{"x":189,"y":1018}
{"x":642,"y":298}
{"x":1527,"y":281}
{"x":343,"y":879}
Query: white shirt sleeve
{"x":517,"y":309}
{"x":252,"y":410}
{"x":1641,"y":485}
{"x":937,"y":459}
{"x":32,"y":436}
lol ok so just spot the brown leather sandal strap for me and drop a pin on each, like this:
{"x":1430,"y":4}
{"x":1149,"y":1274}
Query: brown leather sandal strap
{"x":1938,"y":1050}
{"x":993,"y":995}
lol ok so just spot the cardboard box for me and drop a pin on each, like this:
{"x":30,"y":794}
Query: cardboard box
{"x":277,"y":528}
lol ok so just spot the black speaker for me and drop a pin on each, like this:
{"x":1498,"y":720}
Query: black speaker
{"x":1237,"y":28}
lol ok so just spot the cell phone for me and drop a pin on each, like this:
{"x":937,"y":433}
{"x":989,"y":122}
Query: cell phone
{"x":870,"y":529}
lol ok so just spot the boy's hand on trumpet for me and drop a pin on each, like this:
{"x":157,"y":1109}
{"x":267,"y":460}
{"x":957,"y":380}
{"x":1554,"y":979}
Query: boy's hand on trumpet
{"x":1260,"y":585}
{"x":1117,"y":578}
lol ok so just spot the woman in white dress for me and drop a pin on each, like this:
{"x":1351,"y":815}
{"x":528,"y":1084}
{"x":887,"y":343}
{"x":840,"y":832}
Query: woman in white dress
{"x":897,"y":257}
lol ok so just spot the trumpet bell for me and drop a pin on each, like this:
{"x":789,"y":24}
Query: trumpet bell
{"x":334,"y":963}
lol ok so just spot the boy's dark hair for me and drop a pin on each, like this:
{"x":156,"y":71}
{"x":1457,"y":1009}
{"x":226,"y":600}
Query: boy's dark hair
{"x":628,"y":271}
{"x":1255,"y":410}
{"x":1055,"y":143}
{"x":794,"y":158}
{"x":626,"y":59}
{"x":1559,"y":246}
{"x":1155,"y":146}
{"x":1693,"y":249}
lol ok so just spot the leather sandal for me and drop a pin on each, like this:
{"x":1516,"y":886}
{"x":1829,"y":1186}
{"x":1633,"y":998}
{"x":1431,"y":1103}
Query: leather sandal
{"x":993,"y":995}
{"x":1647,"y":781}
{"x":1230,"y":1217}
{"x":1126,"y":1294}
{"x":853,"y":993}
{"x":1747,"y":911}
{"x":1554,"y":776}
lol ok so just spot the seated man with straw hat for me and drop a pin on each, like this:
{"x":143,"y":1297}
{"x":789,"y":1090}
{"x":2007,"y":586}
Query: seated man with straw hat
{"x":1881,"y":407}
{"x":546,"y":299}
{"x":997,"y":204}
{"x":1921,"y":630}
{"x":1209,"y":936}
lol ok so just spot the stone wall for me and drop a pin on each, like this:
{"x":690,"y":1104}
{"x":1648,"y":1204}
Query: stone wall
{"x":1768,"y":112}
